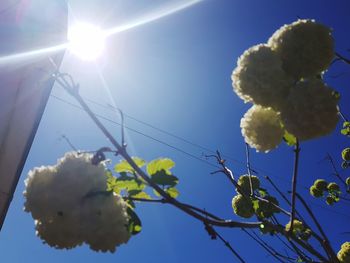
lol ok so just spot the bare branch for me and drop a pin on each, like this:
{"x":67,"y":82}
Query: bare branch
{"x":294,"y":184}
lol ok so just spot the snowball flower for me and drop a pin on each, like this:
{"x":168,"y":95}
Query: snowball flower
{"x":106,"y":219}
{"x":259,"y":77}
{"x":305,"y":47}
{"x":311,"y":110}
{"x":261,"y":128}
{"x":70,"y":205}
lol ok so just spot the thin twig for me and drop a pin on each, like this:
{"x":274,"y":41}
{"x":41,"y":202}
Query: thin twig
{"x":163,"y":201}
{"x":121,"y":150}
{"x":228,"y":245}
{"x":282,"y":195}
{"x":336,"y":173}
{"x":69,"y":142}
{"x":263,"y":246}
{"x":342,"y":58}
{"x":294,"y":184}
{"x":325,"y":243}
{"x":248,"y":169}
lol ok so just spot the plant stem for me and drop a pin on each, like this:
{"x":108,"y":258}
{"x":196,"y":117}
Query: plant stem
{"x":325,"y":243}
{"x":249,"y":169}
{"x":121,"y":150}
{"x":294,"y":185}
{"x":228,"y":245}
{"x":344,"y":59}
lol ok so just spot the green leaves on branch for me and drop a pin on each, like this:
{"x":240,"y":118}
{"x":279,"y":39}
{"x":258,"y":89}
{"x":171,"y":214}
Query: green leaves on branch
{"x":159,"y":165}
{"x":159,"y":171}
{"x":134,"y":188}
{"x":125,"y":182}
{"x":124,"y":167}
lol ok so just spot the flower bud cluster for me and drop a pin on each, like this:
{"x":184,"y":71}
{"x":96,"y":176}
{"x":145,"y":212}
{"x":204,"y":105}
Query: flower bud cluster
{"x":344,"y":253}
{"x":244,"y":183}
{"x":242,"y":206}
{"x":70,"y":205}
{"x":319,"y":188}
{"x":299,"y":230}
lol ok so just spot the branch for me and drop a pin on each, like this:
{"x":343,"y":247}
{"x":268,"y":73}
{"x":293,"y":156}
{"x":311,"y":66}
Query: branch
{"x":163,"y":201}
{"x":121,"y":150}
{"x":282,"y":195}
{"x":336,"y":173}
{"x":344,"y":59}
{"x":325,"y":243}
{"x":228,"y":245}
{"x":229,"y":175}
{"x":294,"y":184}
{"x":248,"y":169}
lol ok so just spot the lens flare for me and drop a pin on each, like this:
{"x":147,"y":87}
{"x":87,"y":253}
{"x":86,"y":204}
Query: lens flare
{"x":86,"y":41}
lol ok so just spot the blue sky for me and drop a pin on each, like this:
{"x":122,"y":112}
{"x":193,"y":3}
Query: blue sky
{"x":174,"y":73}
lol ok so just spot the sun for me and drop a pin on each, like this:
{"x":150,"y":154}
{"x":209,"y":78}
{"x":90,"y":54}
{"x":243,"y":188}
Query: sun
{"x":86,"y":41}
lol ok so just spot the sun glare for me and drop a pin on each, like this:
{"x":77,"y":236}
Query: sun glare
{"x":86,"y":41}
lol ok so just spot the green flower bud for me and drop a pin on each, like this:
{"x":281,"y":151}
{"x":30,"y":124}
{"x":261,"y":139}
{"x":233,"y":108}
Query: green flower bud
{"x":315,"y":192}
{"x":344,"y":253}
{"x":321,"y":184}
{"x":330,"y":200}
{"x":299,"y":229}
{"x":333,"y":187}
{"x":297,"y":226}
{"x":306,"y":234}
{"x":347,"y":181}
{"x":345,"y":154}
{"x":244,"y":183}
{"x":242,"y":206}
{"x":264,"y":209}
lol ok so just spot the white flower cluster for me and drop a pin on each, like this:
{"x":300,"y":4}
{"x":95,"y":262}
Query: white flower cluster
{"x":70,"y":206}
{"x":311,"y":110}
{"x":282,"y":80}
{"x":259,"y":78}
{"x":305,"y":47}
{"x":261,"y":128}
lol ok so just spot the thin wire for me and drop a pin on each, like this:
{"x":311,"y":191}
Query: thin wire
{"x":140,"y":133}
{"x":114,"y":109}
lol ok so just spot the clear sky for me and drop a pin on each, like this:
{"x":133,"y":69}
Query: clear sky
{"x":174,"y":73}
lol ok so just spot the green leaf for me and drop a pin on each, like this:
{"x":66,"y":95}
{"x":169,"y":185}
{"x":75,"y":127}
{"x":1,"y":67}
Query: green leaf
{"x":158,"y":165}
{"x":346,"y":124}
{"x":133,"y":193}
{"x":289,"y":138}
{"x":128,"y":183}
{"x":111,"y":181}
{"x":173,"y":192}
{"x":162,"y":178}
{"x":134,"y":225}
{"x":156,"y":193}
{"x":255,"y":204}
{"x":262,"y":192}
{"x":143,"y":195}
{"x":124,"y":166}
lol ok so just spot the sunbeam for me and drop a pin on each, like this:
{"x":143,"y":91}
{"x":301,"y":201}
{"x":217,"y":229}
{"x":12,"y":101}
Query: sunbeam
{"x":165,"y":11}
{"x":31,"y":54}
{"x":155,"y":15}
